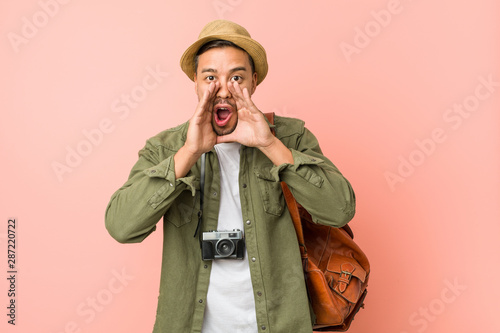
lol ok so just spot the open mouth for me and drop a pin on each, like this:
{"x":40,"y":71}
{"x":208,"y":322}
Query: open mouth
{"x":222,"y":114}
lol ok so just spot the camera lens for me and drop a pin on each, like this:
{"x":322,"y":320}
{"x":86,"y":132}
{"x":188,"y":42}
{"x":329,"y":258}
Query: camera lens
{"x":224,"y":247}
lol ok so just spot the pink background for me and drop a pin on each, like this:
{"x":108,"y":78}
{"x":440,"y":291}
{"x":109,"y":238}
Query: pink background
{"x":376,"y":81}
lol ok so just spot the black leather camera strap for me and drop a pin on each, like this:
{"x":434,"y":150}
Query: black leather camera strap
{"x":202,"y":190}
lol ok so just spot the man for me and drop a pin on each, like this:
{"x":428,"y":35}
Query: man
{"x":264,"y":291}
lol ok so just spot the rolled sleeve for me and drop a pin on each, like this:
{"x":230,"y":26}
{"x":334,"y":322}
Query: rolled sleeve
{"x":300,"y":160}
{"x":166,"y":170}
{"x":314,"y":180}
{"x":149,"y":192}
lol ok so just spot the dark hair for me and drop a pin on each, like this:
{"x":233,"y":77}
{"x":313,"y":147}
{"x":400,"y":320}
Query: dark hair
{"x":219,"y":43}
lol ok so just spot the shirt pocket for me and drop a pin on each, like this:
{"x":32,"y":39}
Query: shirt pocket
{"x":182,"y":210}
{"x":270,"y":191}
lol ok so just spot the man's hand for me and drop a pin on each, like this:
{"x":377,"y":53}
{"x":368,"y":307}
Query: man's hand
{"x":252,"y":129}
{"x":200,"y":135}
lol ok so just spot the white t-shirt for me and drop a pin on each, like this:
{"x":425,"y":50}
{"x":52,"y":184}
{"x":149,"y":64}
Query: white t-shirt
{"x":230,"y":301}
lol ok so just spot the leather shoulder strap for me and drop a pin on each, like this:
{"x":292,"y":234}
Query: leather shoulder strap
{"x":202,"y":192}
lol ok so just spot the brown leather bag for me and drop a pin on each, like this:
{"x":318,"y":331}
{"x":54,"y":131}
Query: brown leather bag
{"x":336,"y":270}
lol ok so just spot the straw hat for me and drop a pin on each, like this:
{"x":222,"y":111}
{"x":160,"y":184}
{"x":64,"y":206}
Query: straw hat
{"x":230,"y":31}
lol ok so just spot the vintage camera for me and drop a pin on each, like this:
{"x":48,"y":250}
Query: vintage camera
{"x":222,"y":245}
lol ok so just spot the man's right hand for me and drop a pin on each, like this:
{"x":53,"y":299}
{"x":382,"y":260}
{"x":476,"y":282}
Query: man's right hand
{"x":201,"y":137}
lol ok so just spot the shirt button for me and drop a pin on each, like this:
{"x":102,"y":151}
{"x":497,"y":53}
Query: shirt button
{"x":201,"y":301}
{"x":214,"y":194}
{"x":153,"y":171}
{"x":244,"y":185}
{"x":259,"y":293}
{"x":253,"y":259}
{"x":206,"y":266}
{"x":263,"y":327}
{"x":171,"y":184}
{"x":249,"y":222}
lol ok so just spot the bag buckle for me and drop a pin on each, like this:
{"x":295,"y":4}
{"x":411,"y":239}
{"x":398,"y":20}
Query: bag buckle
{"x":345,"y":276}
{"x":346,"y":271}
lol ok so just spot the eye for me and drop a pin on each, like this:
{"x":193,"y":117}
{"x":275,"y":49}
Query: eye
{"x":236,"y":78}
{"x":210,"y":78}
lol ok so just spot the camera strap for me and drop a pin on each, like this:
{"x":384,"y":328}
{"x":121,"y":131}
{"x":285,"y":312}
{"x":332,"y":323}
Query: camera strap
{"x":202,"y":191}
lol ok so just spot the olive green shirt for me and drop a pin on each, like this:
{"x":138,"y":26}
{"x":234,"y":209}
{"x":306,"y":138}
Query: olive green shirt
{"x":152,"y":192}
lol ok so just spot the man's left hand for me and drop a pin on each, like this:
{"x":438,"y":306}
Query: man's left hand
{"x":253,"y":130}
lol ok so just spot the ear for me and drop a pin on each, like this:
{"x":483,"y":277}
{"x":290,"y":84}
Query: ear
{"x":195,"y":84}
{"x":254,"y":82}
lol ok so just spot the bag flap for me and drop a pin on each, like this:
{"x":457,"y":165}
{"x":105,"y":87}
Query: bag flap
{"x":337,"y":264}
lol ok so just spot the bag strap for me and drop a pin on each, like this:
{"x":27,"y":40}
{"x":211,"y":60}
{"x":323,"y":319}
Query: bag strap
{"x":293,"y":208}
{"x":202,"y":191}
{"x":292,"y":204}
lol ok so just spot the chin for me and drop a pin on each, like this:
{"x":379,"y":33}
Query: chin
{"x":221,"y":131}
{"x":224,"y":131}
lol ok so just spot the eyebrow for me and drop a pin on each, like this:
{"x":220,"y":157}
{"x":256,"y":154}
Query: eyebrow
{"x":212,"y":70}
{"x":236,"y":69}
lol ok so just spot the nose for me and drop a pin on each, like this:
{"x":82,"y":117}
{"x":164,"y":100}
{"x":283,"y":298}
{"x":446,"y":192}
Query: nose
{"x":223,"y":91}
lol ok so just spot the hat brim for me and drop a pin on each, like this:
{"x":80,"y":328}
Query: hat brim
{"x":252,"y":47}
